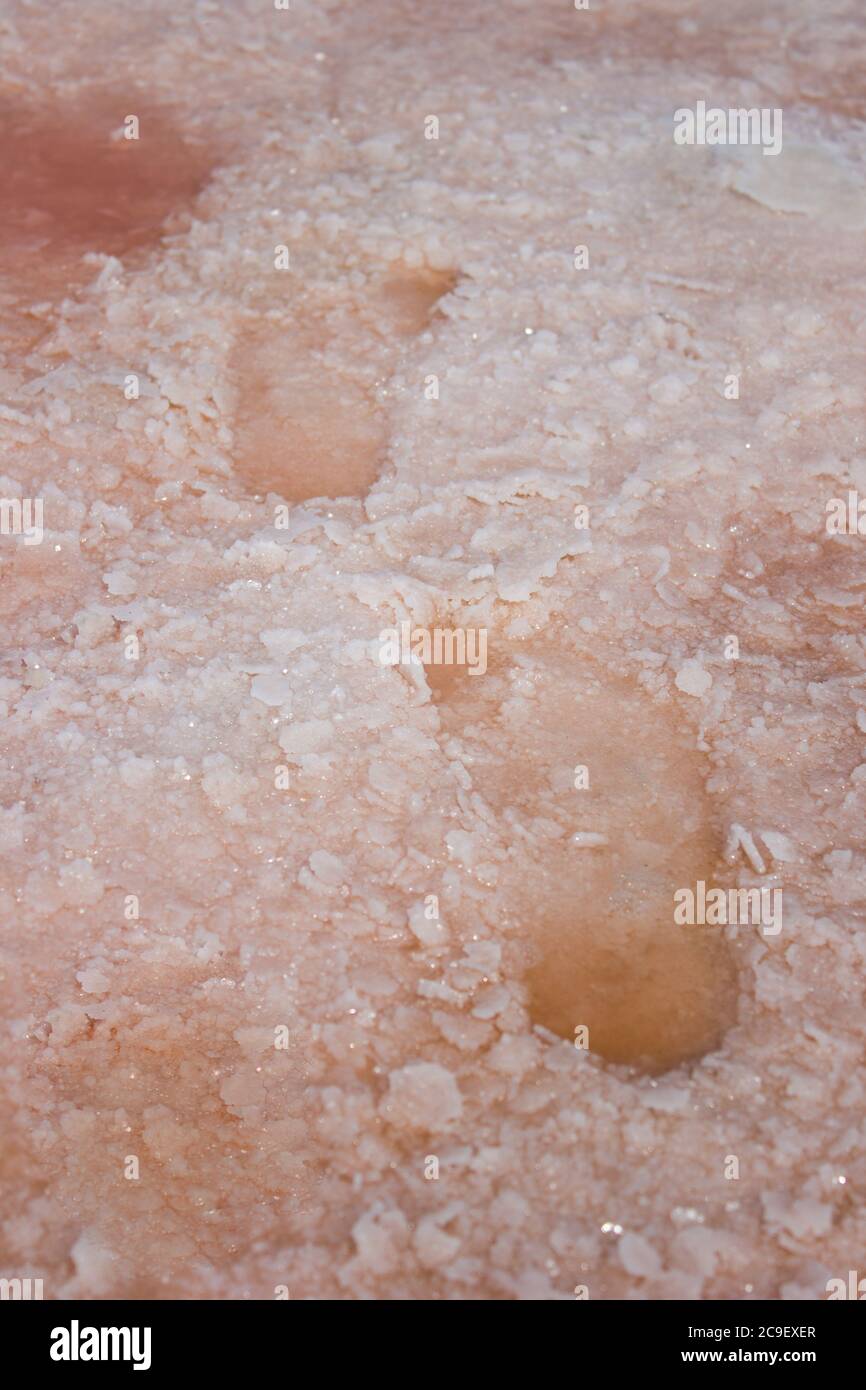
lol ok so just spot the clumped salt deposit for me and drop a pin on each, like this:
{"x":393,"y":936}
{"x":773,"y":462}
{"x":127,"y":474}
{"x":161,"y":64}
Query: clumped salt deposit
{"x":359,"y":979}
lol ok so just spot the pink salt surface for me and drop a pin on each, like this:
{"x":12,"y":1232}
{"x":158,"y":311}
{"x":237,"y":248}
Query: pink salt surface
{"x":226,"y":835}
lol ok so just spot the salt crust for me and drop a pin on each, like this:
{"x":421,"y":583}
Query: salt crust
{"x":155,"y":1037}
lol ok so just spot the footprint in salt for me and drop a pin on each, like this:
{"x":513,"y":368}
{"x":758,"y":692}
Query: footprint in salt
{"x":74,"y":184}
{"x":307,"y":422}
{"x":599,"y":793}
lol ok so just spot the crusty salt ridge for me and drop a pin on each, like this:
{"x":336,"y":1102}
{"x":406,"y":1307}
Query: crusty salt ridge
{"x":154,"y":777}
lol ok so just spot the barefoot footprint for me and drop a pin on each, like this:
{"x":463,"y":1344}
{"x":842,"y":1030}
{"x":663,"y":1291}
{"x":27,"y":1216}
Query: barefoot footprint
{"x":593,"y":868}
{"x":307,"y":425}
{"x":74,"y":184}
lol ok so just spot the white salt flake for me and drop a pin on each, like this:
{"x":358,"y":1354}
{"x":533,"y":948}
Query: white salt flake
{"x":779,"y":846}
{"x":434,"y":1246}
{"x":428,"y":932}
{"x":693,"y":679}
{"x":92,"y":981}
{"x":588,"y":839}
{"x":327,"y":867}
{"x":422,"y":1095}
{"x":95,"y":1263}
{"x":306,"y":736}
{"x":739,"y":838}
{"x":271,"y":689}
{"x":119,"y":582}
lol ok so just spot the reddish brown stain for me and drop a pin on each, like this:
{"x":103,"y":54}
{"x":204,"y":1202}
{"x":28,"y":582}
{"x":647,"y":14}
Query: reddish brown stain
{"x":302,"y":428}
{"x":305,"y":427}
{"x":606,"y":954}
{"x":407,"y":299}
{"x":73,"y":186}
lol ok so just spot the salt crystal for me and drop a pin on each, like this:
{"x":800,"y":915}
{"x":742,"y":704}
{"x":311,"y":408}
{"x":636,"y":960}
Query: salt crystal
{"x":422,"y":1095}
{"x":693,"y":679}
